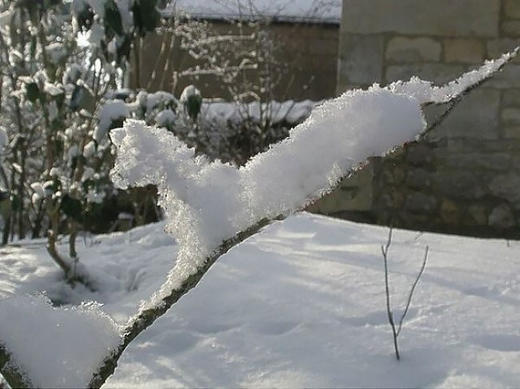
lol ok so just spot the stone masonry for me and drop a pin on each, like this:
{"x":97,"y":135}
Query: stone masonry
{"x":465,"y":178}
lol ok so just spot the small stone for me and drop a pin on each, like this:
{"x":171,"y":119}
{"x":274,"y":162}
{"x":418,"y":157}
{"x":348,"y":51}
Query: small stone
{"x":399,"y":174}
{"x":512,"y":9}
{"x":463,"y":50}
{"x":511,"y":115}
{"x":391,"y":199}
{"x":502,"y":217}
{"x":403,"y":50}
{"x":419,"y":154}
{"x":511,"y":28}
{"x":420,"y":203}
{"x":418,"y":178}
{"x":450,"y":212}
{"x":512,"y":132}
{"x":411,"y":17}
{"x":506,"y":186}
{"x":459,"y":184}
{"x":511,"y":98}
{"x":477,"y":215}
{"x":361,"y":59}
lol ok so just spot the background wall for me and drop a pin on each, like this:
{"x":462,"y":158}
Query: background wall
{"x":465,"y":177}
{"x":309,"y":50}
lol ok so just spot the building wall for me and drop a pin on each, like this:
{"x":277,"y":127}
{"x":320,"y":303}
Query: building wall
{"x":465,"y":178}
{"x":310,"y":52}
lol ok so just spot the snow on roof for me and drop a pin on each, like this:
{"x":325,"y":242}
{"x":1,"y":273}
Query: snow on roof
{"x":315,"y":11}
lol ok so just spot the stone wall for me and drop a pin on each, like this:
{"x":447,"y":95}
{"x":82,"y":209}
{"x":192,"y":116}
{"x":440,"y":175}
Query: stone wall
{"x":465,"y":178}
{"x":310,"y":52}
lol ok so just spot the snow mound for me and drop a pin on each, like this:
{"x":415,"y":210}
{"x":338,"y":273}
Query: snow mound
{"x":67,"y":346}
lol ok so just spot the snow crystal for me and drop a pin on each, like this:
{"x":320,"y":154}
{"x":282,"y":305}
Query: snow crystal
{"x":426,"y":92}
{"x":188,"y":92}
{"x":152,"y":100}
{"x":37,"y":187}
{"x":69,"y":342}
{"x":165,"y":118}
{"x":111,"y":110}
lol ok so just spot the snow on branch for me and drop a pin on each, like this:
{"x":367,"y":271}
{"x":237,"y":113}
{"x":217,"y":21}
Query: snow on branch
{"x":211,"y":206}
{"x":209,"y":202}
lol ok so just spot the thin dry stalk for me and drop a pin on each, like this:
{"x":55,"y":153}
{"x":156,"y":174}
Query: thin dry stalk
{"x":395,"y":332}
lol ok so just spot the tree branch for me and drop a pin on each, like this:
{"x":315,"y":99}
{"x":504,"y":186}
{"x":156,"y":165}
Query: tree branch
{"x":148,"y":316}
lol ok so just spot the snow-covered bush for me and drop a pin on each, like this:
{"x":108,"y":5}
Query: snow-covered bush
{"x":61,"y":60}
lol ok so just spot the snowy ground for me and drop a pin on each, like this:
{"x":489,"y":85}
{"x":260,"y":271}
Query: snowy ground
{"x":303,"y":304}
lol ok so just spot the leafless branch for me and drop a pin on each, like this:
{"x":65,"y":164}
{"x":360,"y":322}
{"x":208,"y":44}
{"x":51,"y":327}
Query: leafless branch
{"x":395,"y":332}
{"x":410,"y":295}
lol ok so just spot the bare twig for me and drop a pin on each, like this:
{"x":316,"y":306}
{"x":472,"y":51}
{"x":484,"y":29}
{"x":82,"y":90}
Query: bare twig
{"x":384,"y":250}
{"x":395,"y":332}
{"x":410,"y":295}
{"x":453,"y":102}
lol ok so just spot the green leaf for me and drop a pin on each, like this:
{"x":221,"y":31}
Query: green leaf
{"x":113,"y":18}
{"x":193,"y":105}
{"x":82,"y":98}
{"x":84,"y":18}
{"x":32,"y":91}
{"x":146,"y":15}
{"x":72,"y":207}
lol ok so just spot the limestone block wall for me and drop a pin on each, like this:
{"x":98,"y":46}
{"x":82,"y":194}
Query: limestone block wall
{"x":465,"y":177}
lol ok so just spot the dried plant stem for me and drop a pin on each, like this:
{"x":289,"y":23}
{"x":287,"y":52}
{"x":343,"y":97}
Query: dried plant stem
{"x":396,"y":331}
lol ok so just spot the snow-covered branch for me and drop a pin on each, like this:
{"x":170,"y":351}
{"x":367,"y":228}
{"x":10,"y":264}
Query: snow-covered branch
{"x":211,"y":206}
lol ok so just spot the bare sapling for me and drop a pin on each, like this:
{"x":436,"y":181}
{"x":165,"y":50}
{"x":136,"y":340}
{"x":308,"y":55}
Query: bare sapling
{"x":397,"y":331}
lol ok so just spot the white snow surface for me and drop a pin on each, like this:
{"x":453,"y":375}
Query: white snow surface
{"x":328,"y":11}
{"x":61,"y":347}
{"x":69,"y":342}
{"x":111,"y":110}
{"x":302,"y":304}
